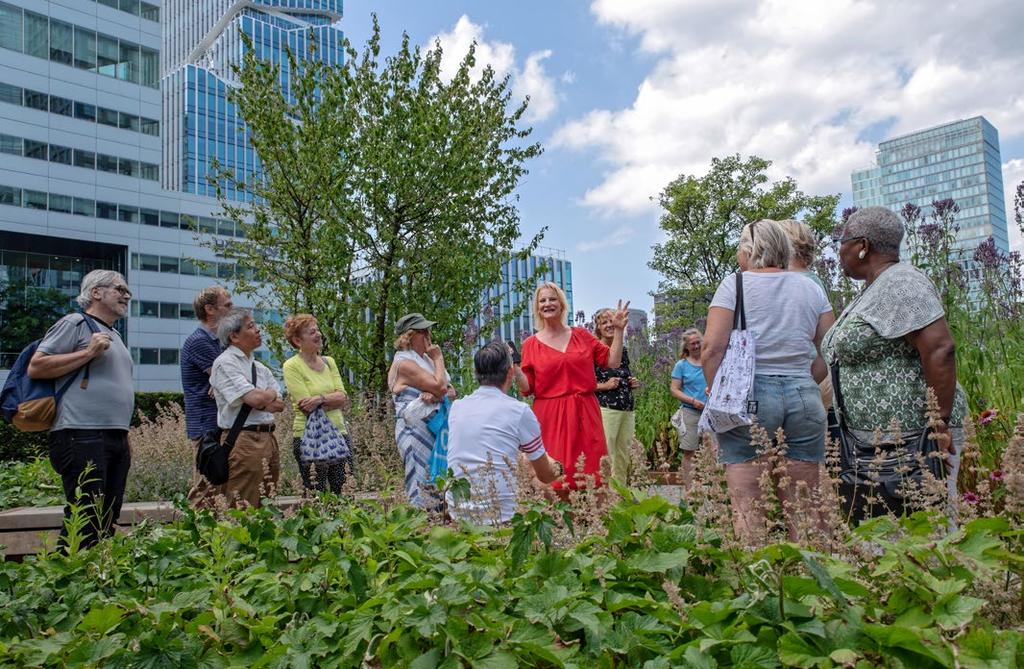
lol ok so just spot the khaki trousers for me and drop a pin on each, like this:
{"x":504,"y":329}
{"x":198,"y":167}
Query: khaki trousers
{"x":254,"y":468}
{"x":619,"y":428}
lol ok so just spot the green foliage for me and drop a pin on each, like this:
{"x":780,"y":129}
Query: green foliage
{"x":29,"y":483}
{"x":28,"y":312}
{"x":351,"y":586}
{"x":386,"y":189}
{"x":702,"y":220}
{"x":652,"y":360}
{"x":19,"y":446}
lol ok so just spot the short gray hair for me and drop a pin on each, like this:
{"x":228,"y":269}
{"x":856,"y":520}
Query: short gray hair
{"x":766,"y":244}
{"x":230,"y":324}
{"x":98,"y":278}
{"x":879,"y":225}
{"x":491,"y":363}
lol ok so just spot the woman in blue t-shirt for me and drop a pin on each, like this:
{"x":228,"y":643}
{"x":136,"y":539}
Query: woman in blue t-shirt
{"x":689,"y":387}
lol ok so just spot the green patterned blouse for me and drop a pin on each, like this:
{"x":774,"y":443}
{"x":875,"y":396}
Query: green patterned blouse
{"x":881,"y":377}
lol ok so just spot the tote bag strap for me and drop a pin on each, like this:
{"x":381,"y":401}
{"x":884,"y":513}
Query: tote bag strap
{"x":739,"y":314}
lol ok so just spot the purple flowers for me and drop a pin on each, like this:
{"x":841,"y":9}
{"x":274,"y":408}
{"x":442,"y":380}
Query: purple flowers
{"x":988,"y":255}
{"x":987,"y":416}
{"x":970,"y":498}
{"x":996,"y":475}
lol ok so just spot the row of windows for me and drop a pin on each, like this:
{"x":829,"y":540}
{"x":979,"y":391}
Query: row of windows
{"x":170,"y":356}
{"x":43,"y":37}
{"x":55,"y":104}
{"x":148,"y":309}
{"x":213,"y":269}
{"x":79,"y":206}
{"x":135,"y":7}
{"x":91,"y":160}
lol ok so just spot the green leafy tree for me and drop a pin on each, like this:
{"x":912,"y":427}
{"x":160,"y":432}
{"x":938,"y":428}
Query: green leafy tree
{"x":386,"y":189}
{"x":702,"y":220}
{"x":26,"y":313}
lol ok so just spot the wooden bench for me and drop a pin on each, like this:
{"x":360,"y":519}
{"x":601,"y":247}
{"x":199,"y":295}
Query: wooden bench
{"x":27,"y":530}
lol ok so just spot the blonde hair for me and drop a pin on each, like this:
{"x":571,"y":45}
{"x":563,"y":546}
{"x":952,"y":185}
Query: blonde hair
{"x":403,"y":342}
{"x":207,"y":297}
{"x":597,"y":317}
{"x":538,"y":320}
{"x":294,"y":326}
{"x":805,"y":244}
{"x":766,"y":244}
{"x":685,"y":343}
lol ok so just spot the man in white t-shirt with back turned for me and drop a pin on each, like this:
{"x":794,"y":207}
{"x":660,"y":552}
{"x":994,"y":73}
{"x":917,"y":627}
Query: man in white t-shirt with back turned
{"x":487,"y":433}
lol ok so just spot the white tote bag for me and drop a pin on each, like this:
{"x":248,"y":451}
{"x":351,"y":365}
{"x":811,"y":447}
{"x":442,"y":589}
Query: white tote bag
{"x":733,"y":386}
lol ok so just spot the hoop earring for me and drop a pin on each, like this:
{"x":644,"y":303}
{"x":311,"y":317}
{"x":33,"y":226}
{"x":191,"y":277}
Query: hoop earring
{"x":862,"y":254}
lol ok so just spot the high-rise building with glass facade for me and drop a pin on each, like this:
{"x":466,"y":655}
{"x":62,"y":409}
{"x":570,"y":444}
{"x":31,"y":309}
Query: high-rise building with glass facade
{"x":111,"y":115}
{"x":958,"y":161}
{"x":555,"y":268}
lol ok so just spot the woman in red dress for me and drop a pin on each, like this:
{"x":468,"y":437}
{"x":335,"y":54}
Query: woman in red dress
{"x":558,"y":370}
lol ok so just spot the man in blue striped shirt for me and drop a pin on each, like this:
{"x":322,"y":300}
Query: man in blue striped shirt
{"x":197,"y":355}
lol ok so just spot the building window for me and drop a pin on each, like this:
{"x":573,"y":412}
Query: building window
{"x":128,"y":167}
{"x":150,"y":127}
{"x":85,"y":49}
{"x":168,"y":310}
{"x":85,"y":159}
{"x":60,"y":154}
{"x":106,"y":116}
{"x":85,"y":111}
{"x":128,"y":214}
{"x":61,"y":203}
{"x":149,"y":216}
{"x":10,"y":94}
{"x":105,"y":163}
{"x":37,"y":35}
{"x":168,"y":356}
{"x":33,"y":199}
{"x":10,"y":27}
{"x":150,"y":68}
{"x":37,"y":150}
{"x":150,"y":12}
{"x":168,"y":265}
{"x":84,"y":207}
{"x":10,"y":195}
{"x":131,"y":62}
{"x":62,"y":106}
{"x":149,"y":263}
{"x":128,"y":122}
{"x":37,"y":100}
{"x":106,"y":210}
{"x":168,"y":219}
{"x":61,"y":42}
{"x":9,"y":144}
{"x":106,"y":55}
{"x":149,"y":356}
{"x":149,"y":171}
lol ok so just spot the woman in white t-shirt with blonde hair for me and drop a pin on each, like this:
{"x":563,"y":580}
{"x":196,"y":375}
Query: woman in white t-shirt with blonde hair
{"x":788,"y":315}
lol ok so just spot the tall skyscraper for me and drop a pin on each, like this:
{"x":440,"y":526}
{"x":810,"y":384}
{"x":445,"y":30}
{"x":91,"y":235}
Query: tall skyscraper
{"x":958,"y":160}
{"x":556,"y":269}
{"x":111,"y":113}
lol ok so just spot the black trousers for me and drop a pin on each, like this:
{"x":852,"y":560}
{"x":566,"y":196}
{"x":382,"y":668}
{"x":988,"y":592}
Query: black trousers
{"x":97,"y":463}
{"x":328,"y":476}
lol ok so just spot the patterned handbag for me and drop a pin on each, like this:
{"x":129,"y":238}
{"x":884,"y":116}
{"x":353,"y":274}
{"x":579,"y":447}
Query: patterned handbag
{"x":727,"y":406}
{"x":322,"y":442}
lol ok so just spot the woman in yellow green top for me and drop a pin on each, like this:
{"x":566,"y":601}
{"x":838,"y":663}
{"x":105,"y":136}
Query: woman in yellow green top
{"x":313,"y":382}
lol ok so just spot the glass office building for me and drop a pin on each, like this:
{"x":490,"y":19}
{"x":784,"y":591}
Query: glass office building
{"x":555,"y":269}
{"x":202,"y":44}
{"x":959,"y":161}
{"x":111,"y":114}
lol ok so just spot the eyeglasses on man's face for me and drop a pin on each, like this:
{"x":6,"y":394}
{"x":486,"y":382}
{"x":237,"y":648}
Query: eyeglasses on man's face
{"x":843,"y":240}
{"x":122,"y":290}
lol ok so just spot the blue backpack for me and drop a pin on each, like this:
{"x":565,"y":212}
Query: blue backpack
{"x":31,"y":404}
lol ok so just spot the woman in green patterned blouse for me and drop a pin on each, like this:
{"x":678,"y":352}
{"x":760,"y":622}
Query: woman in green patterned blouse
{"x":892,"y":342}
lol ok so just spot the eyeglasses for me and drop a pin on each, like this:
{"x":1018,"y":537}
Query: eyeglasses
{"x":843,"y":240}
{"x":122,"y":290}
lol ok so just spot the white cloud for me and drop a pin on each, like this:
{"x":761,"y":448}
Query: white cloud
{"x":801,"y":82}
{"x":529,"y":80}
{"x":568,"y":77}
{"x":619,"y":237}
{"x":1013,"y":175}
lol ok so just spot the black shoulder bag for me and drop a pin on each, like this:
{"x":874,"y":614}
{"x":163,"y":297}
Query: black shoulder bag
{"x":883,"y":469}
{"x":212,"y":454}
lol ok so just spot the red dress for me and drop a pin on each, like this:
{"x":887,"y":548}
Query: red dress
{"x":563,"y":386}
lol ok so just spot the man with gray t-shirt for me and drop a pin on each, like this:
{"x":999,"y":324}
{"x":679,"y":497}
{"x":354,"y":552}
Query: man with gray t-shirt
{"x":89,"y":438}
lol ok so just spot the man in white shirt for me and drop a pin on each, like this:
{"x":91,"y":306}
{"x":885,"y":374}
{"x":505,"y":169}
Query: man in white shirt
{"x":487,"y":432}
{"x":255,"y":462}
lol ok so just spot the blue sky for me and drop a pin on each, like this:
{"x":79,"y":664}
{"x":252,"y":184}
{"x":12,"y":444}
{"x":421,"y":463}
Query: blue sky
{"x":629,"y":94}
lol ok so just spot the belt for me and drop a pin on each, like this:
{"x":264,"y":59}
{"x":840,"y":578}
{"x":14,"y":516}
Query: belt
{"x":258,"y":428}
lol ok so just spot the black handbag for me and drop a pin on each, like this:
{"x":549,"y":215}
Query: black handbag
{"x":213,"y":452}
{"x":880,"y":470}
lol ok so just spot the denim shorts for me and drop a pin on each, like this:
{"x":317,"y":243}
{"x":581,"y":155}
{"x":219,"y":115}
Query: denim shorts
{"x":790,"y":402}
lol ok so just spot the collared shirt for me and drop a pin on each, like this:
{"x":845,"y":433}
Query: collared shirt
{"x":197,"y":356}
{"x":231,"y":379}
{"x":487,"y":431}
